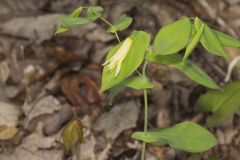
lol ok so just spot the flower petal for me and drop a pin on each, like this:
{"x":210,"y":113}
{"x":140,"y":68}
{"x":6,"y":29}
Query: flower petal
{"x":118,"y":68}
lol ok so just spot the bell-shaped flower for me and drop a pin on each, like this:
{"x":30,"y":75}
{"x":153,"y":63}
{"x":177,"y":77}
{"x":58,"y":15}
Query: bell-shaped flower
{"x":117,"y":59}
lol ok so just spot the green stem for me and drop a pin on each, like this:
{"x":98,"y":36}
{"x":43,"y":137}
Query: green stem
{"x":140,"y":74}
{"x":144,"y":69}
{"x":108,"y":23}
{"x":145,"y":113}
{"x":143,"y":151}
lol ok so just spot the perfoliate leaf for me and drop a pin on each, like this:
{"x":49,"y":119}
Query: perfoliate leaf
{"x":94,"y":11}
{"x":76,"y":12}
{"x":68,"y":22}
{"x":134,"y":82}
{"x":134,"y":58}
{"x":222,"y":104}
{"x":187,"y":67}
{"x":72,"y":134}
{"x":194,"y":42}
{"x":209,"y":40}
{"x":227,"y":40}
{"x":186,"y":136}
{"x":137,"y":82}
{"x":122,"y":23}
{"x":173,"y":37}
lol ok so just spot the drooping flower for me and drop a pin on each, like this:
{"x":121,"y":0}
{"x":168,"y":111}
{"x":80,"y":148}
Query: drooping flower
{"x":117,"y":59}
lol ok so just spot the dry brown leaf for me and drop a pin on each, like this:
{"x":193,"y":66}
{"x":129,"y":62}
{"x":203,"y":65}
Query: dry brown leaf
{"x":81,"y":90}
{"x":4,"y":71}
{"x":12,"y":7}
{"x":32,"y":74}
{"x":50,"y":112}
{"x":121,"y":117}
{"x":35,"y":147}
{"x":9,"y":114}
{"x":33,"y":28}
{"x":7,"y":133}
{"x":46,"y":105}
{"x":87,"y":148}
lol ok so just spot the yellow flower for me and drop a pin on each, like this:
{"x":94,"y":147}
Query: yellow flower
{"x":116,"y":60}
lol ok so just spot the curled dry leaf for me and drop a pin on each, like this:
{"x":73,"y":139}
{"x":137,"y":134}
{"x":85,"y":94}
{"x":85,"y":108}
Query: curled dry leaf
{"x":81,"y":90}
{"x":72,"y":135}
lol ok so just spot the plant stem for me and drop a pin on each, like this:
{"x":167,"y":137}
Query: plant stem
{"x":140,"y":74}
{"x":108,"y":23}
{"x":144,"y":69}
{"x":145,"y":122}
{"x":145,"y":112}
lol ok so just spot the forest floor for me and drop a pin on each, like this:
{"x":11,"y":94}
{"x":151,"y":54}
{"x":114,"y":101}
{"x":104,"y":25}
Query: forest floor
{"x":44,"y":79}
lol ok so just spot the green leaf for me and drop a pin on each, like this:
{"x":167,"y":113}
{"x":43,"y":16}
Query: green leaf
{"x":68,"y":22}
{"x":76,"y":12}
{"x":134,"y":82}
{"x":194,"y":42}
{"x":227,"y":40}
{"x":94,"y":11}
{"x":222,"y":104}
{"x":209,"y":40}
{"x":193,"y":31}
{"x":137,"y":82}
{"x":187,"y":67}
{"x":135,"y":56}
{"x":186,"y":136}
{"x":61,"y":30}
{"x":173,"y":37}
{"x":122,"y":23}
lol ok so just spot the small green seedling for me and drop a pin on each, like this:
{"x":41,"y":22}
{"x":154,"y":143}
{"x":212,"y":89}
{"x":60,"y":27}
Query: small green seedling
{"x":124,"y":60}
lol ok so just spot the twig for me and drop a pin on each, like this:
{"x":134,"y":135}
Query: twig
{"x":108,"y":23}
